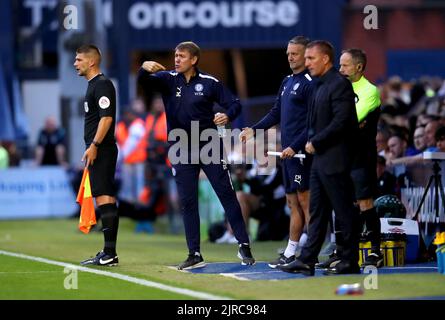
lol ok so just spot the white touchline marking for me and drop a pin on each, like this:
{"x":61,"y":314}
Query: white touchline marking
{"x":143,"y":282}
{"x":234,"y":276}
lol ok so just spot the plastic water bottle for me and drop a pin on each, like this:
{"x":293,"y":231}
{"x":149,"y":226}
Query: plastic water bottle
{"x":349,"y":289}
{"x":221,"y":130}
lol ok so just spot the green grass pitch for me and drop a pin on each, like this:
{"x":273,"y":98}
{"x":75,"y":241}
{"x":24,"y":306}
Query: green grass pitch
{"x":148,"y":257}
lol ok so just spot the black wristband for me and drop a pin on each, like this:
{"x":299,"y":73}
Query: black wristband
{"x":97,"y":144}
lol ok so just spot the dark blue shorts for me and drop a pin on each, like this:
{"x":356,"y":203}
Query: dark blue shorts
{"x":296,"y":174}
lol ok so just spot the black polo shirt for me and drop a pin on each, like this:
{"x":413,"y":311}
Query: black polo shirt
{"x":100,"y":101}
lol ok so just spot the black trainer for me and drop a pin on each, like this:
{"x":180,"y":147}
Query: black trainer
{"x":245,"y":255}
{"x":373,"y":259}
{"x":193,"y":261}
{"x":298,"y":266}
{"x":330,"y":263}
{"x":282,"y":260}
{"x":101,"y":259}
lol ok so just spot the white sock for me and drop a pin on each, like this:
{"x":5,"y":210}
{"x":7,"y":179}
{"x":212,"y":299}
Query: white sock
{"x":291,"y":248}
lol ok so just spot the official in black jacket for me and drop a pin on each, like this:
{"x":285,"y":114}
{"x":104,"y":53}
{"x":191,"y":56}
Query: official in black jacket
{"x":332,"y":125}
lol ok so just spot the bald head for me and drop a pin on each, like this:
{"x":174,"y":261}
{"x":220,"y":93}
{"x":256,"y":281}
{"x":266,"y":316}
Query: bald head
{"x":50,"y":124}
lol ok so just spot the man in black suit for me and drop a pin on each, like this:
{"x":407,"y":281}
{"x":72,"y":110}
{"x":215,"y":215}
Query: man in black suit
{"x":332,"y":125}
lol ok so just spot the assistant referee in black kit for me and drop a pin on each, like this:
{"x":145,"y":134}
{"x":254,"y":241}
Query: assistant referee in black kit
{"x":101,"y":151}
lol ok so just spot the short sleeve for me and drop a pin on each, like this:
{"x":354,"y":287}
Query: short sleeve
{"x":105,"y":97}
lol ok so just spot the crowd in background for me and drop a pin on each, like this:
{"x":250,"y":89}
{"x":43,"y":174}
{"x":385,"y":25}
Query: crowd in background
{"x":412,"y":114}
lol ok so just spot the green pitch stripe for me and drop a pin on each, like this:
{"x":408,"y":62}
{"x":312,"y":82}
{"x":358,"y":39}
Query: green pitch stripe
{"x":143,"y":282}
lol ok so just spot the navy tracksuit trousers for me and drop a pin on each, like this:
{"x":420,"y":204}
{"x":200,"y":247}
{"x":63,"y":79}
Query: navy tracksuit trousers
{"x":187,"y":178}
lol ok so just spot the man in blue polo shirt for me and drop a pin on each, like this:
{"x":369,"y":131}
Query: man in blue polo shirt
{"x":290,"y":111}
{"x":189,"y":96}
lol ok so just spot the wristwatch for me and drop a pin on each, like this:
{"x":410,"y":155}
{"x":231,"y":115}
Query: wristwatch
{"x":97,"y":144}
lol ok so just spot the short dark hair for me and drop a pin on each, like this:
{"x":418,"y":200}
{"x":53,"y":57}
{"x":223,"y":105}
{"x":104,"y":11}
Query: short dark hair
{"x":299,"y":40}
{"x":358,"y":56}
{"x":325,"y":47}
{"x":191,"y":47}
{"x":90,"y":48}
{"x":400,"y":135}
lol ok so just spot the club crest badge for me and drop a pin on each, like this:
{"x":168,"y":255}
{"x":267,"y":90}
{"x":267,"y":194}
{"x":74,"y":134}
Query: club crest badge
{"x":198,"y":89}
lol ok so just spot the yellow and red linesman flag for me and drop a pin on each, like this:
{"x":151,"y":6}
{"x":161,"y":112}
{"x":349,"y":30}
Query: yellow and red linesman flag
{"x":85,"y":199}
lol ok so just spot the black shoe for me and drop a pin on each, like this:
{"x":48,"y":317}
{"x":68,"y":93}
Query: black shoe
{"x":102,"y":259}
{"x":245,"y":255}
{"x":298,"y":266}
{"x":343,"y":268}
{"x":373,"y":259}
{"x":193,"y":261}
{"x":331,"y":262}
{"x":281,"y":260}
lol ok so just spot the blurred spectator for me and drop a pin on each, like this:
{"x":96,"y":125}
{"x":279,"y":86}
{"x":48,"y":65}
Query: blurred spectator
{"x":158,"y":166}
{"x":262,"y":197}
{"x":397,"y":149}
{"x":381,"y":141}
{"x":4,"y":157}
{"x":135,"y":201}
{"x":417,"y":92}
{"x":430,"y":132}
{"x":440,"y":139}
{"x":150,"y":204}
{"x":13,"y":152}
{"x":395,"y":103}
{"x":398,"y":122}
{"x":397,"y":145}
{"x":419,"y":139}
{"x":420,"y":146}
{"x":156,"y":128}
{"x":50,"y":148}
{"x":442,"y":109}
{"x":249,"y":202}
{"x":386,"y":182}
{"x":423,"y":119}
{"x":132,"y":153}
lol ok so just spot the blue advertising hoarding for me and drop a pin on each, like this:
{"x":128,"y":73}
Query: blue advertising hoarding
{"x":215,"y":24}
{"x":158,"y":25}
